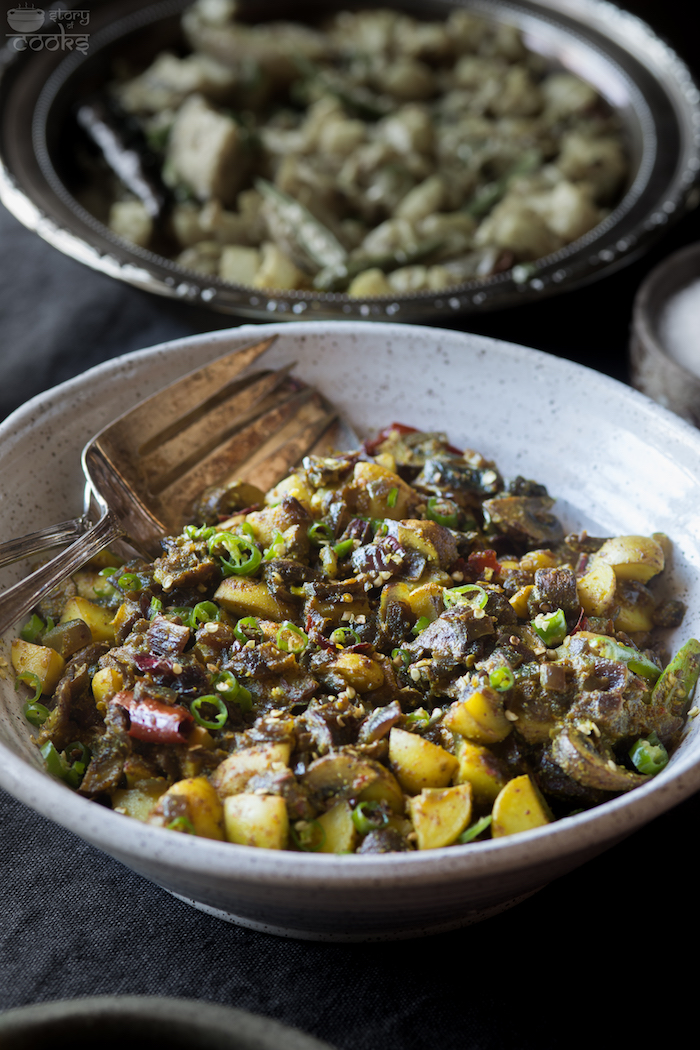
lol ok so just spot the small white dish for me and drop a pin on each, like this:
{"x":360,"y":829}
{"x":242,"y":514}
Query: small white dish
{"x":617,"y":462}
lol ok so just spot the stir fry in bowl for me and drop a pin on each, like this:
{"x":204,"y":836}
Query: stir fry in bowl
{"x":393,"y":649}
{"x":369,"y":153}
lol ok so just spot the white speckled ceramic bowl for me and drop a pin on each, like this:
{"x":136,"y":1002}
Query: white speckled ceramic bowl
{"x":618,"y":463}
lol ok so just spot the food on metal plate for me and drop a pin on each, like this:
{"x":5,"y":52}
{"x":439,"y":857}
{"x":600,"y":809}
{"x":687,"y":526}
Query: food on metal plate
{"x":370,"y":152}
{"x":393,"y":649}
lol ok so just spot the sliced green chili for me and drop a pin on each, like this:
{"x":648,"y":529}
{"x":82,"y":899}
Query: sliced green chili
{"x":345,"y":547}
{"x":205,"y":612}
{"x":33,"y":629}
{"x":421,"y":623}
{"x":319,"y":533}
{"x":449,"y":520}
{"x":290,"y":638}
{"x":199,"y":532}
{"x":401,"y":654}
{"x":475,"y":830}
{"x":209,"y":723}
{"x":649,"y":755}
{"x":248,"y":623}
{"x":36,"y":714}
{"x":637,"y":662}
{"x":60,"y":766}
{"x":155,"y":608}
{"x":129,"y":581}
{"x":551,"y":627}
{"x":460,"y":595}
{"x":392,"y":497}
{"x":368,"y":816}
{"x":244,"y":555}
{"x":277,"y":548}
{"x":183,"y":825}
{"x":229,"y":688}
{"x":308,"y":836}
{"x":341,"y":635}
{"x":32,"y":680}
{"x":501,"y":679}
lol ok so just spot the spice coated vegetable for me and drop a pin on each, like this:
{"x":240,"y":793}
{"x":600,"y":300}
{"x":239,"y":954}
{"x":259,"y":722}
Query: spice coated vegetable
{"x":429,"y":685}
{"x":368,"y":151}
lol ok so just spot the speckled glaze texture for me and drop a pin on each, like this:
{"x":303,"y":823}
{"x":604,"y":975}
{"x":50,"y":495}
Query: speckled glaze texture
{"x":616,"y":461}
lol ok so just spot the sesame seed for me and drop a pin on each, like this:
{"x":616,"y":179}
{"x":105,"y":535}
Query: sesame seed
{"x":346,"y":597}
{"x":177,"y":668}
{"x":350,"y":692}
{"x":511,"y":716}
{"x":212,"y":627}
{"x":415,"y":673}
{"x":458,"y":577}
{"x":168,"y":583}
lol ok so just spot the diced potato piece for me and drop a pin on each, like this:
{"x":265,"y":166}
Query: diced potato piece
{"x":295,"y":485}
{"x":130,"y":220}
{"x":379,"y":493}
{"x":235,"y":771}
{"x":534,"y":560}
{"x":203,"y":806}
{"x":239,"y":264}
{"x":106,"y":683}
{"x":138,"y":802}
{"x":440,"y":815}
{"x":385,"y":788}
{"x":205,"y":151}
{"x":268,"y":522}
{"x":633,"y":557}
{"x":277,"y":270}
{"x":244,"y":597}
{"x":369,"y":283}
{"x":519,"y":807}
{"x":359,"y":671}
{"x":45,"y":663}
{"x":98,"y":619}
{"x":519,"y":600}
{"x":340,"y":832}
{"x":256,"y":820}
{"x":480,"y":768}
{"x":423,"y":598}
{"x":635,"y":607}
{"x":90,"y":584}
{"x":418,"y":763}
{"x":596,"y":590}
{"x":480,"y":717}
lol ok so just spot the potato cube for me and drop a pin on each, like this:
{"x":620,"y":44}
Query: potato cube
{"x":98,"y":619}
{"x":440,"y":815}
{"x":519,"y":807}
{"x":480,"y":768}
{"x":480,"y":717}
{"x":244,"y":597}
{"x":204,"y":808}
{"x":45,"y":663}
{"x":239,"y":264}
{"x":256,"y":820}
{"x":418,"y":763}
{"x":596,"y":590}
{"x":233,"y":774}
{"x":633,"y":557}
{"x":339,"y":829}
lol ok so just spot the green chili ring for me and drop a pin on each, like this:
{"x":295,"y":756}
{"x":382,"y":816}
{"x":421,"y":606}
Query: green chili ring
{"x":216,"y":701}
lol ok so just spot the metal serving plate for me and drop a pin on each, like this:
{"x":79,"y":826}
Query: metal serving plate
{"x":638,"y":74}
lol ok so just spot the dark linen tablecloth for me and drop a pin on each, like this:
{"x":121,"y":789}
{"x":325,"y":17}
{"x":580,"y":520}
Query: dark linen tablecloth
{"x":597,"y":957}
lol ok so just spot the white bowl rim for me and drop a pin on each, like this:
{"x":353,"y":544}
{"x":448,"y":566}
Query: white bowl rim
{"x":118,"y":834}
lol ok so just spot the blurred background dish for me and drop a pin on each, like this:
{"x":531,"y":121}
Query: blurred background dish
{"x":153,"y":1022}
{"x":641,"y":78}
{"x":665,"y":338}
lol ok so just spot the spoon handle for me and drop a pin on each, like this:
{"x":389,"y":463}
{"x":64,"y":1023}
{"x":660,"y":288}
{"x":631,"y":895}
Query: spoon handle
{"x":21,"y":598}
